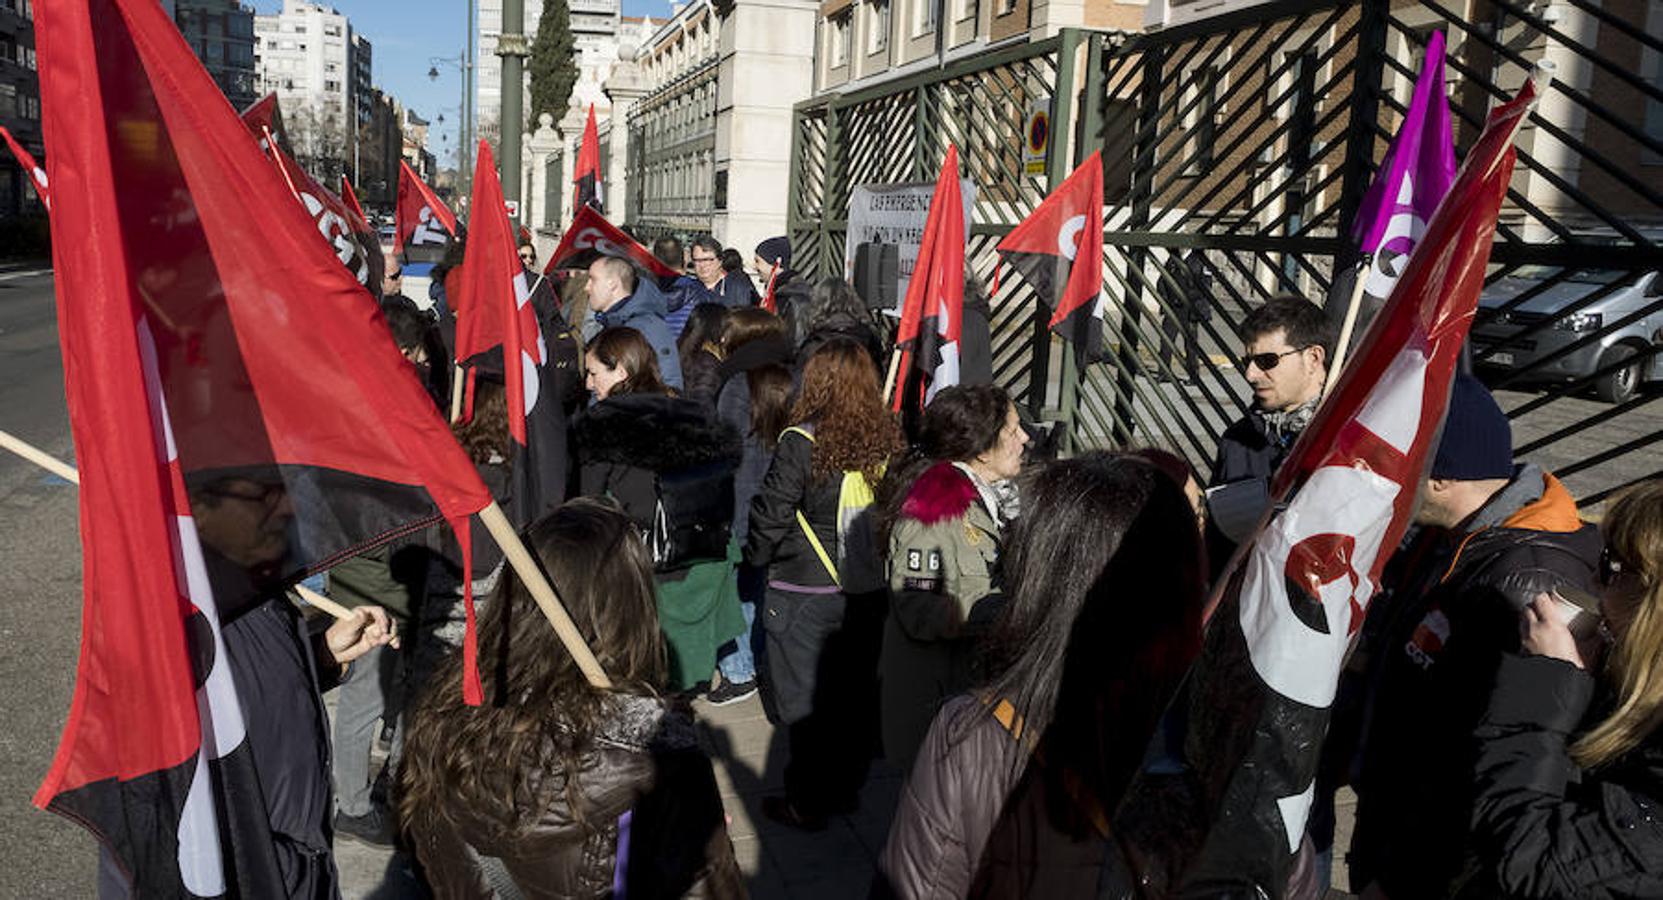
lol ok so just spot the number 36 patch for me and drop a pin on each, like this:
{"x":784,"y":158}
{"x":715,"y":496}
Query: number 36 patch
{"x":921,"y":562}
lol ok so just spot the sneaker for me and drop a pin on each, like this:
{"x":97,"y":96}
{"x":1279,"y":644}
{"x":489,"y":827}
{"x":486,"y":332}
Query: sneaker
{"x":731,"y":692}
{"x":371,"y":828}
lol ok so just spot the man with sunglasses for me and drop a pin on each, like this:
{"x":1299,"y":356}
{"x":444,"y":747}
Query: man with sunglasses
{"x":1286,"y":345}
{"x":1493,"y":534}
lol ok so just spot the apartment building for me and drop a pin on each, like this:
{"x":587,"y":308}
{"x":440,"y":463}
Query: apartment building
{"x":859,"y":43}
{"x":309,"y":55}
{"x":221,"y":34}
{"x":19,"y":104}
{"x":710,"y":137}
{"x":598,"y":30}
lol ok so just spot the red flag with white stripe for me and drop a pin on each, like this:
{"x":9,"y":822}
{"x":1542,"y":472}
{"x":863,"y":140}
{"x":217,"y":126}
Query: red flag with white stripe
{"x":420,"y":218}
{"x":1258,"y":699}
{"x":37,"y":175}
{"x":933,"y":313}
{"x":241,"y":417}
{"x":586,"y":174}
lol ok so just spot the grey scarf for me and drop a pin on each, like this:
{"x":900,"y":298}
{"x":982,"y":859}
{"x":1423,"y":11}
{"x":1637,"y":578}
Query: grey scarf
{"x":1284,"y":425}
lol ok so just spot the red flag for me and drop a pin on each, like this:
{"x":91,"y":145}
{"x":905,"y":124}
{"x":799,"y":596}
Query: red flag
{"x":586,"y":178}
{"x":592,"y":236}
{"x":493,"y":300}
{"x":266,"y":121}
{"x":1058,"y":249}
{"x":420,"y":217}
{"x":350,"y":199}
{"x":1258,"y":699}
{"x":348,"y":235}
{"x":240,"y":417}
{"x":769,"y":301}
{"x":36,"y":173}
{"x":932,"y":314}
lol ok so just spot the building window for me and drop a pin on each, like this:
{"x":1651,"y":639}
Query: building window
{"x":839,"y":38}
{"x":924,"y":16}
{"x":967,"y":9}
{"x":877,"y":40}
{"x":1005,"y":7}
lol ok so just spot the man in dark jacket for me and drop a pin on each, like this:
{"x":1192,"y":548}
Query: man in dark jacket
{"x":682,"y":294}
{"x":1286,"y":346}
{"x":731,"y":289}
{"x":619,"y":300}
{"x":787,"y":292}
{"x":1494,"y":534}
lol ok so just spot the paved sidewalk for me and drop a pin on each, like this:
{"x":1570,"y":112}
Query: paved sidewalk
{"x":780,"y":863}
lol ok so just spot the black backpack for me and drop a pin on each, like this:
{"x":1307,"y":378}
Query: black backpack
{"x":692,"y":519}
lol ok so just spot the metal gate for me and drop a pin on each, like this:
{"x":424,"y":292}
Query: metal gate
{"x":1242,"y":146}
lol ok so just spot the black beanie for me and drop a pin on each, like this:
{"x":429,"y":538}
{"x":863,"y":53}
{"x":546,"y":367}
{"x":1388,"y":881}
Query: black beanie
{"x":1477,"y":442}
{"x":776,"y":248}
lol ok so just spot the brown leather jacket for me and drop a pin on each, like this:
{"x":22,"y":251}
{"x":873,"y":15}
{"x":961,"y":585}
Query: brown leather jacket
{"x":646,"y":764}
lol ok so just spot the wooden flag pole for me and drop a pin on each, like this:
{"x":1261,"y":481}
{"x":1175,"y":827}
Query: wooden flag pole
{"x":543,"y":592}
{"x":1344,"y":343}
{"x":321,"y":602}
{"x":68,"y":473}
{"x":456,"y":395}
{"x":889,"y":380}
{"x":39,"y":457}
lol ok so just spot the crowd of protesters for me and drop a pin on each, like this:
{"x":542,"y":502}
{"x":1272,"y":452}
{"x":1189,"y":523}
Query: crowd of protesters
{"x":740,"y":515}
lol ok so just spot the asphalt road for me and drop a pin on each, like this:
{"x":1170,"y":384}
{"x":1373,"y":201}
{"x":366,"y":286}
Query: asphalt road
{"x":40,"y":598}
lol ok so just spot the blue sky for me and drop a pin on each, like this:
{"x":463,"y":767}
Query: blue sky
{"x":407,"y":34}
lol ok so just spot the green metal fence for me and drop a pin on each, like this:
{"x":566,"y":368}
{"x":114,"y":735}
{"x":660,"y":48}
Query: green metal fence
{"x":1240,"y":148}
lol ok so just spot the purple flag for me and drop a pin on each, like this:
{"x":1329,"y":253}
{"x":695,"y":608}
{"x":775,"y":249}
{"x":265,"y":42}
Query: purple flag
{"x":1416,"y":174}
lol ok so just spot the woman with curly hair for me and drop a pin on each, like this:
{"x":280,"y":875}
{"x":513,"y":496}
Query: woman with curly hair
{"x":815,"y":605}
{"x":554,"y":787}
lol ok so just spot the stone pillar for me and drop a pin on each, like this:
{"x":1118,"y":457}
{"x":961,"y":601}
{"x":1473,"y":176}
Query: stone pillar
{"x":767,"y":66}
{"x":570,"y":131}
{"x":542,"y":144}
{"x":624,"y":87}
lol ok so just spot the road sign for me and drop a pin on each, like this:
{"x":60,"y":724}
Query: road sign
{"x":1036,"y":136}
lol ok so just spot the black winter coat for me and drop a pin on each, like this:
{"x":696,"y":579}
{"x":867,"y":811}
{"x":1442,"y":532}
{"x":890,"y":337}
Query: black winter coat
{"x":699,"y":378}
{"x":733,"y":407}
{"x":1432,"y":648}
{"x":851,"y":330}
{"x":623,"y":443}
{"x":775,"y":539}
{"x":1247,"y":449}
{"x":1544,"y":828}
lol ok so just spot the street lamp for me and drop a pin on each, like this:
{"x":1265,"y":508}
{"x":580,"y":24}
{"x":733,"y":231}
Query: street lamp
{"x":465,"y":63}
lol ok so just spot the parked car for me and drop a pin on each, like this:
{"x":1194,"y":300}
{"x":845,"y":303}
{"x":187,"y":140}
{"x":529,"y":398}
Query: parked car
{"x":1549,"y":321}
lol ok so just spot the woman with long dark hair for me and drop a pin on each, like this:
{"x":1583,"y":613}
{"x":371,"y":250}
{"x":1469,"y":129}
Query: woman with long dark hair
{"x":815,"y":600}
{"x":700,"y":348}
{"x":753,"y":397}
{"x":948,"y":508}
{"x":836,"y":311}
{"x":669,"y":463}
{"x":1570,"y":764}
{"x":534,"y":789}
{"x":1017,"y":780}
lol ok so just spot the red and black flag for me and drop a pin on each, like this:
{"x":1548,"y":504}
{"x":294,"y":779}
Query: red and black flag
{"x":1225,"y":808}
{"x":37,"y":175}
{"x":420,"y":218}
{"x":1058,"y":250}
{"x":350,"y":198}
{"x":241,"y":417}
{"x":586,"y":178}
{"x":933,"y":312}
{"x":497,"y":335}
{"x":349,"y":236}
{"x":265,"y":119}
{"x":592,"y":237}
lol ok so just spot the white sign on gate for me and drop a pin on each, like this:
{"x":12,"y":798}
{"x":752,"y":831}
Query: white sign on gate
{"x":895,"y":214}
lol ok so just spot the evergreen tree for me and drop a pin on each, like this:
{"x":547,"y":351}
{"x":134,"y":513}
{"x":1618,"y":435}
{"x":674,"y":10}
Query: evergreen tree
{"x":553,"y":63}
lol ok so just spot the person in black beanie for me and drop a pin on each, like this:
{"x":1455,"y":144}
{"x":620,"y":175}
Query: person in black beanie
{"x":1494,"y":533}
{"x":785,"y":291}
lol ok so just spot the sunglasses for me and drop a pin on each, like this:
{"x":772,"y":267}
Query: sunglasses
{"x":1268,"y":361}
{"x":700,"y":259}
{"x":398,"y":274}
{"x":1611,"y":567}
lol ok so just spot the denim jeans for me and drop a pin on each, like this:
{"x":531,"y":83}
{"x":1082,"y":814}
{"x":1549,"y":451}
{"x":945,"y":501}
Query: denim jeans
{"x":367,"y":696}
{"x":736,"y":660}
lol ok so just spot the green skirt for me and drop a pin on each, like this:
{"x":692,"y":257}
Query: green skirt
{"x":698,"y":610}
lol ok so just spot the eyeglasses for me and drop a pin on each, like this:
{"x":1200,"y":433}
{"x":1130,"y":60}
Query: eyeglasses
{"x":1268,"y":361}
{"x":266,"y":494}
{"x":528,"y":258}
{"x":395,"y":275}
{"x":700,"y":259}
{"x":1611,"y":567}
